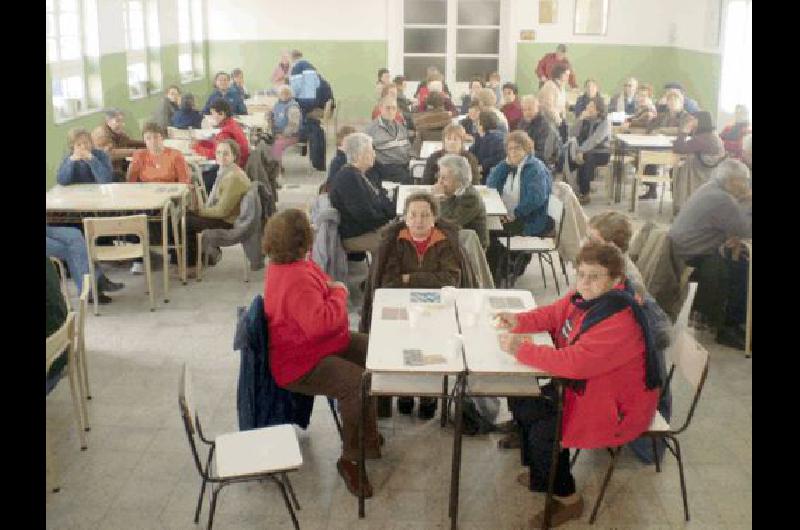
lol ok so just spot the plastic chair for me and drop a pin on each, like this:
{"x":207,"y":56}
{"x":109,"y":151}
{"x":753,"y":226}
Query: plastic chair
{"x":691,"y":359}
{"x":80,"y":343}
{"x":244,"y":456}
{"x":63,"y":339}
{"x":666,"y":159}
{"x":62,"y":275}
{"x":540,"y":246}
{"x":204,"y":258}
{"x":94,"y":227}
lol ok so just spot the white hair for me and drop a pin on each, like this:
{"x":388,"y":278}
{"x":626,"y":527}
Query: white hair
{"x":435,"y":86}
{"x":460,"y":168}
{"x":354,"y":144}
{"x":731,"y":169}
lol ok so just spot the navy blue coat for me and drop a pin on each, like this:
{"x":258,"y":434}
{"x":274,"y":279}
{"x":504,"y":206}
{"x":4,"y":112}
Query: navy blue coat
{"x":361,"y":208}
{"x":489,"y":149}
{"x":183,"y":119}
{"x":260,"y":402}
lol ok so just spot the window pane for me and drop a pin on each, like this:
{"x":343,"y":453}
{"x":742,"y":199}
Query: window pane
{"x":479,"y":13}
{"x":466,"y":67}
{"x":197,"y":21}
{"x":425,"y":40}
{"x":415,"y":68}
{"x":478,"y":41}
{"x":90,"y":37}
{"x":70,"y":48}
{"x":52,"y":50}
{"x":51,"y":25}
{"x":183,"y":21}
{"x":153,"y":35}
{"x":68,"y":5}
{"x":72,"y":87}
{"x":69,"y":24}
{"x":185,"y":62}
{"x":425,"y":11}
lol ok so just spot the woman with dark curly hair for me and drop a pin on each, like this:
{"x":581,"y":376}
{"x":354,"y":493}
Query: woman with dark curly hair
{"x":311,"y":349}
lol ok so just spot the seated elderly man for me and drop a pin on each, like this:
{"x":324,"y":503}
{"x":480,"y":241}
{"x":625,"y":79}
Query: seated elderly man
{"x":422,"y":251}
{"x":625,"y":101}
{"x":365,"y":210}
{"x":391,"y":143}
{"x":462,"y":205}
{"x":121,"y":145}
{"x":717,"y":214}
{"x":544,"y":134}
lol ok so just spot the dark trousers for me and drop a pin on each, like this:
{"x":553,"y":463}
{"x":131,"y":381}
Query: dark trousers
{"x":338,"y":376}
{"x":195,"y":224}
{"x":536,"y":418}
{"x":393,"y":172}
{"x":586,"y":171}
{"x":722,"y":288}
{"x":497,"y":255}
{"x":209,"y":177}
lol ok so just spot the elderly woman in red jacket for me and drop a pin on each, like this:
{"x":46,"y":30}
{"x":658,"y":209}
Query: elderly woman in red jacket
{"x":311,"y":349}
{"x":603,"y":345}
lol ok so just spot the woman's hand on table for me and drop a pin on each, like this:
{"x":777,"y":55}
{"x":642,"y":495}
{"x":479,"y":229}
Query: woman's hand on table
{"x":506,"y":320}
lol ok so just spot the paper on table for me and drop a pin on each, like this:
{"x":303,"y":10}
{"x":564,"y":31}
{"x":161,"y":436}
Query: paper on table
{"x":414,"y":357}
{"x":425,"y":298}
{"x":394,"y":313}
{"x":506,"y":302}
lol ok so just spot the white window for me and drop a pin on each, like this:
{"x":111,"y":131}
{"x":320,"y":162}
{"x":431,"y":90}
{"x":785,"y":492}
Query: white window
{"x":190,"y":38}
{"x":142,"y":41}
{"x":460,"y":37}
{"x":736,"y":86}
{"x":73,"y":56}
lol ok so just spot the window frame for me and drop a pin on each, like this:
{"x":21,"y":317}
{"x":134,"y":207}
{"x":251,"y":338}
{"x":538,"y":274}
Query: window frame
{"x":193,"y":47}
{"x":149,"y":55}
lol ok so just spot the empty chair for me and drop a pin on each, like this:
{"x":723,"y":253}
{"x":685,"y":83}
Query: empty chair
{"x":136,"y":225}
{"x":667,"y":160}
{"x":244,"y":456}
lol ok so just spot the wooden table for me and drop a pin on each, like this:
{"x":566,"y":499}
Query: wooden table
{"x":159,"y":201}
{"x":624,"y":143}
{"x":491,"y":199}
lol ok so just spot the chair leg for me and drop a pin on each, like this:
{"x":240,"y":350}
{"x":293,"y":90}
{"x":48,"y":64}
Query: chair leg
{"x":94,"y":287}
{"x":445,"y":403}
{"x":199,"y":272}
{"x":75,"y":393}
{"x":541,"y":266}
{"x":200,"y":502}
{"x":214,"y":494}
{"x":289,"y":487}
{"x":614,"y":454}
{"x":246,"y":267}
{"x":683,"y":479}
{"x":288,"y":505}
{"x":555,"y":278}
{"x":148,"y":271}
{"x":655,"y":454}
{"x":336,"y":418}
{"x":574,"y":458}
{"x":564,"y":270}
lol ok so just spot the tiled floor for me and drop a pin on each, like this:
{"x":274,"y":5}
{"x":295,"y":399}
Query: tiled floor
{"x":138,"y":471}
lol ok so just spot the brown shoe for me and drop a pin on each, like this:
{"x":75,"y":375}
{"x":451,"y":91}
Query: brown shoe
{"x":349,"y":472}
{"x":509,"y":441}
{"x":561,"y":513}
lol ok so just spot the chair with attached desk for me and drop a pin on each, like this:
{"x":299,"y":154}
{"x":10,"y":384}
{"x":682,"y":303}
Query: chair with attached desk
{"x":136,"y":225}
{"x":542,"y":247}
{"x":244,"y":456}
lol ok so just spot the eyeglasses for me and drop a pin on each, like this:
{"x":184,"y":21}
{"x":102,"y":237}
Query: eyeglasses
{"x":590,"y":277}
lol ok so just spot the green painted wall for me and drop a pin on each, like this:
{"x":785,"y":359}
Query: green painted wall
{"x":611,"y":64}
{"x":351,"y":67}
{"x":113,"y":75}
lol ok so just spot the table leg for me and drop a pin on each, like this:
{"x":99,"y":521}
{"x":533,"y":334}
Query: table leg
{"x":618,"y":169}
{"x":362,"y":457}
{"x":455,"y":472}
{"x":548,"y":503}
{"x":175,"y":221}
{"x":165,"y":213}
{"x":748,"y":331}
{"x":444,"y":402}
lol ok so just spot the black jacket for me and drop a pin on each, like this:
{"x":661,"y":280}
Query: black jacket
{"x":361,"y":206}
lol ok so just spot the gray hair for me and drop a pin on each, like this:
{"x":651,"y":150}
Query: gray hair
{"x":460,"y":168}
{"x":354,"y":144}
{"x":731,"y":169}
{"x":632,"y":81}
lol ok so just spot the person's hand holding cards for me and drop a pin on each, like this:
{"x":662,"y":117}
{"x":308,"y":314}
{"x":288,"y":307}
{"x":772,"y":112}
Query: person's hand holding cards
{"x":505,"y":320}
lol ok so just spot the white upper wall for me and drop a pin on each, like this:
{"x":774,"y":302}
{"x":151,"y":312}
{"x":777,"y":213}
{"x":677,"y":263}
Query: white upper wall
{"x":696,"y":24}
{"x":297,"y":19}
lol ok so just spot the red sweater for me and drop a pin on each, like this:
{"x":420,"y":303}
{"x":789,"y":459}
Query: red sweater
{"x":615,"y":407}
{"x":513,"y":113}
{"x":229,"y":129}
{"x":306,"y":319}
{"x":546,"y":64}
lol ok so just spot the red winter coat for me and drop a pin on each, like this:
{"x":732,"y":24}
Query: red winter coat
{"x":229,"y":129}
{"x":306,"y":319}
{"x":615,"y":406}
{"x":513,"y":113}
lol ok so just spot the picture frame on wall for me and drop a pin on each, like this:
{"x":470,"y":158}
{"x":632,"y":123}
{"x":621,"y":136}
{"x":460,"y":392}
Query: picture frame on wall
{"x":591,"y":17}
{"x":548,"y":11}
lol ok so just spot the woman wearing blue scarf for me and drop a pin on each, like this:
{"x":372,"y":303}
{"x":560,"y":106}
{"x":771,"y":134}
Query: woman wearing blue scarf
{"x":604,"y":346}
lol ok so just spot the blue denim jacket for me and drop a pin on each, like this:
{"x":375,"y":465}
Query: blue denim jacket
{"x":260,"y":402}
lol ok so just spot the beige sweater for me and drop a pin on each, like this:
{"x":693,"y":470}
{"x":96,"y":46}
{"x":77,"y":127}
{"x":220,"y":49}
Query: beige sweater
{"x":553,"y":102}
{"x":232,"y":188}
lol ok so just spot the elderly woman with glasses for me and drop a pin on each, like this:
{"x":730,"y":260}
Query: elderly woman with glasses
{"x":462,"y":205}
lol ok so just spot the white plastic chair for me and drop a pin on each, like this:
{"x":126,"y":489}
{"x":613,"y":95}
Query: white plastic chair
{"x":245,"y":456}
{"x":94,"y":227}
{"x":80,"y":343}
{"x":667,"y":160}
{"x":62,"y":275}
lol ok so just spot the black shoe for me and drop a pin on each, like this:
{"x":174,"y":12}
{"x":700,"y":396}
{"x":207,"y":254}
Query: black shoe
{"x":106,"y":285}
{"x":102,"y":299}
{"x":650,"y":194}
{"x":405,"y":405}
{"x":384,"y":407}
{"x":731,"y":336}
{"x":427,"y":408}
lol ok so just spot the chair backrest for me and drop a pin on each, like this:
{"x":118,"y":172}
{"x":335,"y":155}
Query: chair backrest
{"x":115,"y":226}
{"x":683,"y":316}
{"x":62,"y":279}
{"x":61,"y":339}
{"x":189,"y":415}
{"x":691,"y":360}
{"x":668,"y":159}
{"x":555,"y":209}
{"x":83,"y":304}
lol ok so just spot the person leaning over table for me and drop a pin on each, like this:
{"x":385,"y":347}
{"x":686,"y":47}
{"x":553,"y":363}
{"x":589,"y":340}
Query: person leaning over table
{"x":453,"y":137}
{"x":546,"y":139}
{"x":604,"y":346}
{"x":222,"y":206}
{"x":524,"y":184}
{"x":168,"y":107}
{"x":430,"y":123}
{"x":122,"y":145}
{"x":365,"y":210}
{"x":488,"y":146}
{"x":84,"y":164}
{"x":311,"y":348}
{"x":461,"y":205}
{"x":224,"y":91}
{"x":422,"y":251}
{"x":222,"y":118}
{"x":187,"y":117}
